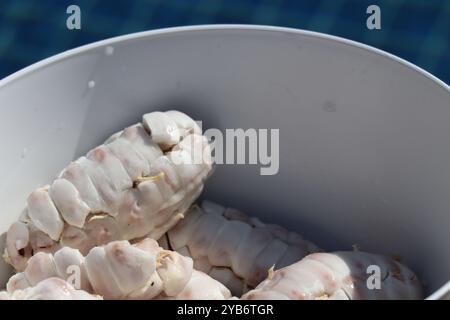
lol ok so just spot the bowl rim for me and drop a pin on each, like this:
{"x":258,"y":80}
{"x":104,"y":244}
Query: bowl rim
{"x":215,"y":27}
{"x":439,"y":293}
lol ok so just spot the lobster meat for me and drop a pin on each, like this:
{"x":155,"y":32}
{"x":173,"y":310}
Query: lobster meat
{"x":233,"y":248}
{"x":120,"y":270}
{"x":140,"y":182}
{"x":339,"y":276}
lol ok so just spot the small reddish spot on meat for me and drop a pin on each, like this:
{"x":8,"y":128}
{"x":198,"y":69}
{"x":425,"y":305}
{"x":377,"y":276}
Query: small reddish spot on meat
{"x":333,"y":284}
{"x":327,"y":276}
{"x":99,"y":154}
{"x":298,"y":295}
{"x":119,"y":254}
{"x":188,"y":294}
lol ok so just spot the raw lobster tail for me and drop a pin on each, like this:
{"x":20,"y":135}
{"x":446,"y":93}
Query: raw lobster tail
{"x":233,"y":248}
{"x":120,"y":270}
{"x":138,"y":183}
{"x":340,"y":276}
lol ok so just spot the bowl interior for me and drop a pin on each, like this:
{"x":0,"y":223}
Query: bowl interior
{"x":364,"y":152}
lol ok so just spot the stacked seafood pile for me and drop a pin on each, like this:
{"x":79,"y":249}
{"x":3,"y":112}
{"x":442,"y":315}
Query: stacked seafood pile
{"x":122,"y":223}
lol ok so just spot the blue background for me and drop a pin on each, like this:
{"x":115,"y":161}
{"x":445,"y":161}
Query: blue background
{"x":416,"y":30}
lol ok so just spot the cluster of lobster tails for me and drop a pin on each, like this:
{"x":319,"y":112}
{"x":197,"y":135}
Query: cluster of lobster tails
{"x":122,"y":222}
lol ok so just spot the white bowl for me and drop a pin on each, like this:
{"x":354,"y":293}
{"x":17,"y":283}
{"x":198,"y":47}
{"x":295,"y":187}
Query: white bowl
{"x":364,"y":135}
